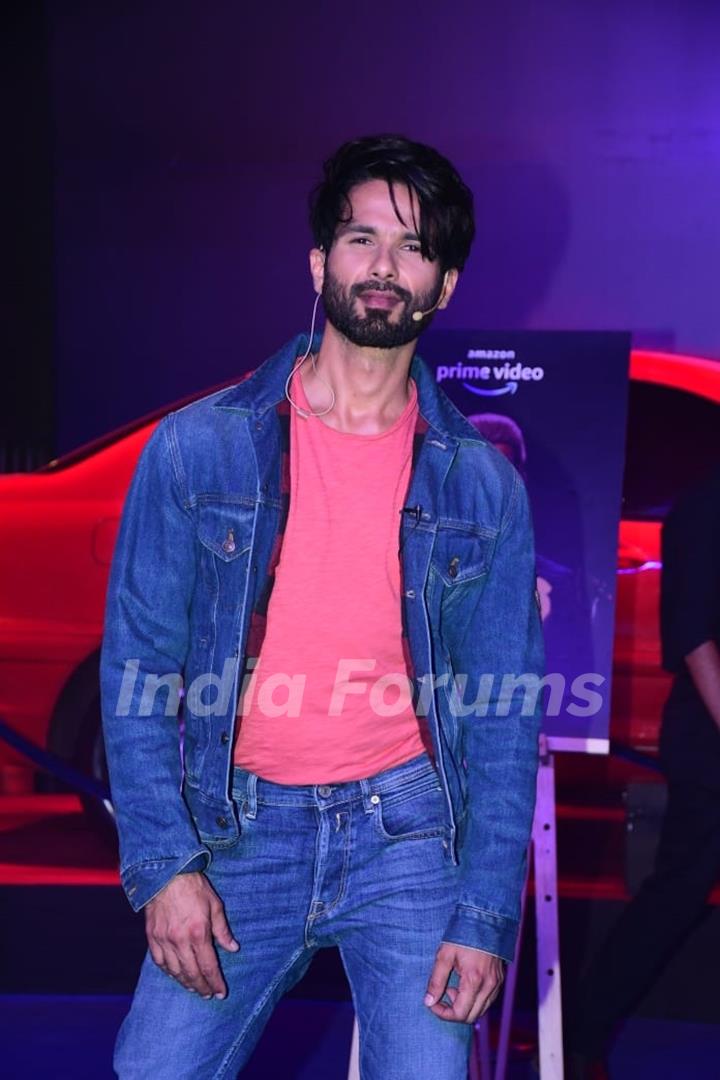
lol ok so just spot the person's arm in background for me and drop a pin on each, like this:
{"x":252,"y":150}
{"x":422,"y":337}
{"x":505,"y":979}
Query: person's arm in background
{"x":690,"y":590}
{"x":703,"y":663}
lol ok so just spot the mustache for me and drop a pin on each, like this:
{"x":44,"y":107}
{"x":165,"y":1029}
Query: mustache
{"x":380,"y":287}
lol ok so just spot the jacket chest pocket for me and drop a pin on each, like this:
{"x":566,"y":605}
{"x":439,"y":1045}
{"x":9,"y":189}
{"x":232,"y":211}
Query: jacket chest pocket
{"x":459,"y":567}
{"x":225,"y":532}
{"x":460,"y":555}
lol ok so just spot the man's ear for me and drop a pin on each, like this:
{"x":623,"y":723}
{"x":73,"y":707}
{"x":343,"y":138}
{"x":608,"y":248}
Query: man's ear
{"x":451,"y":280}
{"x":317,"y":267}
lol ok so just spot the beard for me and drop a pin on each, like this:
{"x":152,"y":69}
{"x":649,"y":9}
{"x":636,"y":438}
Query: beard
{"x":373,"y":329}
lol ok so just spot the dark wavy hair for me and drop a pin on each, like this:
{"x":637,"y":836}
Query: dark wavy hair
{"x":447,"y":224}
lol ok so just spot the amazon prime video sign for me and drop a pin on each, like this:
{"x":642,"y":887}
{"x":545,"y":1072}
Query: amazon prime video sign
{"x":555,"y":404}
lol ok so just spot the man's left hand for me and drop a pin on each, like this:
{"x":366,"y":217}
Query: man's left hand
{"x":481,"y":976}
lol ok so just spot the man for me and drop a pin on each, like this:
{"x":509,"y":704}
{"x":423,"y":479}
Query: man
{"x":338,"y":532}
{"x":671,"y":901}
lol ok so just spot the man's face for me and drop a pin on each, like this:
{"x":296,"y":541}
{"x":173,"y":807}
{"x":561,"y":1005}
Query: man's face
{"x":375,"y":277}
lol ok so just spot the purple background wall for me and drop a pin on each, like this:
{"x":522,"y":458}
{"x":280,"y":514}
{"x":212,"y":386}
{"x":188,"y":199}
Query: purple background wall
{"x":187,"y":136}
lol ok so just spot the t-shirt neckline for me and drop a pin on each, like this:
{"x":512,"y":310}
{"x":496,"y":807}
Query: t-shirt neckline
{"x":297,"y":392}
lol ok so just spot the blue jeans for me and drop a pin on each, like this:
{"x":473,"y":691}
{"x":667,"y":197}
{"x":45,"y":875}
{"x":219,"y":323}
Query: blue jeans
{"x":363,"y":865}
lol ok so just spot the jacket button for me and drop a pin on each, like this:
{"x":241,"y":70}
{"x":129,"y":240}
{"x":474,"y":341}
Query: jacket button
{"x":222,"y":822}
{"x":224,"y":738}
{"x":453,"y":567}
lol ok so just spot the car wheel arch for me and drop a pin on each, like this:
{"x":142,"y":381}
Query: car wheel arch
{"x":79,"y":696}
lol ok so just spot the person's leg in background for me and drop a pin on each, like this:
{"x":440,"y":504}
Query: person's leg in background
{"x":654,"y":923}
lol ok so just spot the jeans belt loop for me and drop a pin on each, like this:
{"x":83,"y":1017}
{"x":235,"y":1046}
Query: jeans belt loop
{"x":252,"y":795}
{"x":366,"y":792}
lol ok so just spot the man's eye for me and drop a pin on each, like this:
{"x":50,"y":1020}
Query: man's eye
{"x":360,"y":240}
{"x":413,"y":247}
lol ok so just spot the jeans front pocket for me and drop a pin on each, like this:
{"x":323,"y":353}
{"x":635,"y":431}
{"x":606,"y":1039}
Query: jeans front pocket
{"x":412,"y":811}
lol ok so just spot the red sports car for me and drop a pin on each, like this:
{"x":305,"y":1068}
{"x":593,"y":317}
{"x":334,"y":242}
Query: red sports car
{"x":59,"y":525}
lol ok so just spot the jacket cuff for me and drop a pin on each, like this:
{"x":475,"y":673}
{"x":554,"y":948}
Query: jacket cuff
{"x":198,"y":862}
{"x":144,"y":880}
{"x":476,"y":928}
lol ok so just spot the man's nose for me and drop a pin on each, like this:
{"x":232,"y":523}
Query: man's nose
{"x":383,"y":265}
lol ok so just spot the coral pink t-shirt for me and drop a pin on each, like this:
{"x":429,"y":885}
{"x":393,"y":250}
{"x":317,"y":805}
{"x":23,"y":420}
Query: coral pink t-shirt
{"x":329,"y":699}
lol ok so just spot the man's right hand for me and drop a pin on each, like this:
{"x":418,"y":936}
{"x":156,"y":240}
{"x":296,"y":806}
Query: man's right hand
{"x":181,"y":923}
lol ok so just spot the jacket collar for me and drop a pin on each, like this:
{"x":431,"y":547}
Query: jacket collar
{"x":265,"y":387}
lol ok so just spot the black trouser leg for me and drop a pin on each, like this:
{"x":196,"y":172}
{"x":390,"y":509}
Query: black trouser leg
{"x":656,"y":921}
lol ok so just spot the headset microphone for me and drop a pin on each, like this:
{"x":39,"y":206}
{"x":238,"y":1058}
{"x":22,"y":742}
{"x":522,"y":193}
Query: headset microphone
{"x":418,"y":315}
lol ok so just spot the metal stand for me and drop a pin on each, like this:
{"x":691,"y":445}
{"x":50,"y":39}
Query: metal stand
{"x":544,"y":841}
{"x":354,"y":1065}
{"x":544,"y":853}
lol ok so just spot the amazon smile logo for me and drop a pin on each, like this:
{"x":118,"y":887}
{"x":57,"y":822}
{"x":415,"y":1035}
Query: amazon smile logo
{"x":507,"y":376}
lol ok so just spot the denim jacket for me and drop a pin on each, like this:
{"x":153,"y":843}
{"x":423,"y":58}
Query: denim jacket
{"x":198,"y":529}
